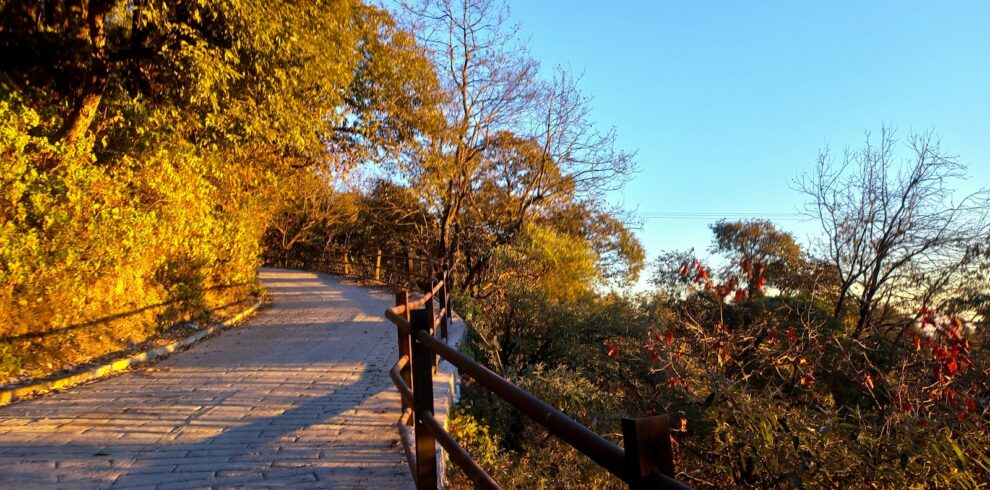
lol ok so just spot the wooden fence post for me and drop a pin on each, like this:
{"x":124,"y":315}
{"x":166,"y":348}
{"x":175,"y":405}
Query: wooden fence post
{"x":647,"y":446}
{"x":410,"y":267}
{"x":347,"y":263}
{"x":444,"y":305}
{"x":378,"y":266}
{"x":405,"y":349}
{"x":431,"y":307}
{"x":422,"y":371}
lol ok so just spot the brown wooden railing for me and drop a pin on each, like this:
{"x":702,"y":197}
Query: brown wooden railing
{"x":645,"y":463}
{"x":404,"y":271}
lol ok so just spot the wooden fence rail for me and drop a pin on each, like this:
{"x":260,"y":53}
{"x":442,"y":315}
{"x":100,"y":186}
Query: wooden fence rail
{"x":645,"y":463}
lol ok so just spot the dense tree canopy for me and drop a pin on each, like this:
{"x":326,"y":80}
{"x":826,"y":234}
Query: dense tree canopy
{"x":146,"y":145}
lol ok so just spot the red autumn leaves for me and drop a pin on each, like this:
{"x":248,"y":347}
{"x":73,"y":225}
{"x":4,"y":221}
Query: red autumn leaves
{"x":612,"y":350}
{"x":946,"y":350}
{"x":650,"y":348}
{"x":749,"y":279}
{"x":932,"y":382}
{"x":656,"y":344}
{"x":697,"y":274}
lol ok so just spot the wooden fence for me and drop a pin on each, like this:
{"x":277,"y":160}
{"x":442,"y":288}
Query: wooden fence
{"x":645,"y":463}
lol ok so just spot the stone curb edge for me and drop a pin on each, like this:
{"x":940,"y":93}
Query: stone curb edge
{"x":14,"y":394}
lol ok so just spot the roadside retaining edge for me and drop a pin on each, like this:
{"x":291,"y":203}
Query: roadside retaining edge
{"x":10,"y":395}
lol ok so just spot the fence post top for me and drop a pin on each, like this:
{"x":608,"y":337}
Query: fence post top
{"x":647,"y":447}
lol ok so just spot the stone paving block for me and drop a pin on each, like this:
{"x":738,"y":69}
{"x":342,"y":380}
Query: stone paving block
{"x":202,"y":464}
{"x":299,"y":393}
{"x":151,"y":471}
{"x":185,"y":480}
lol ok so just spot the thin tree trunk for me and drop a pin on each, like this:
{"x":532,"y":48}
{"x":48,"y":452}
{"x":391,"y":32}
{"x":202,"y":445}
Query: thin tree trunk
{"x":81,"y":117}
{"x":864,"y":318}
{"x":88,"y":101}
{"x":837,"y":313}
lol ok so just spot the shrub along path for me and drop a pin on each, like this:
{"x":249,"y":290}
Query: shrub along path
{"x":299,"y":395}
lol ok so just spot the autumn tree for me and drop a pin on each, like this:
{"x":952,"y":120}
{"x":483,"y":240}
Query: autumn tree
{"x":393,"y":100}
{"x":391,"y":218}
{"x":144,"y":146}
{"x":891,"y":224}
{"x":310,"y":207}
{"x":765,"y":254}
{"x":513,"y":149}
{"x":620,"y":254}
{"x":488,"y":81}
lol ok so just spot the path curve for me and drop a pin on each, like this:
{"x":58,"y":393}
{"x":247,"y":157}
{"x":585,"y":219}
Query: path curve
{"x":298,"y":396}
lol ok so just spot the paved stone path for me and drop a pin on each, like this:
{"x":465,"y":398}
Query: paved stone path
{"x":298,"y":396}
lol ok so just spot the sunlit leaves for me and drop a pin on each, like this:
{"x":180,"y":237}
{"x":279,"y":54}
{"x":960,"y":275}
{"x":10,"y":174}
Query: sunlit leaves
{"x":202,"y":113}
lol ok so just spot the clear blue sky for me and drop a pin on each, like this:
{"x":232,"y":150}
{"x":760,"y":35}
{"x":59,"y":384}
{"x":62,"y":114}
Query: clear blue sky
{"x":726,"y":102}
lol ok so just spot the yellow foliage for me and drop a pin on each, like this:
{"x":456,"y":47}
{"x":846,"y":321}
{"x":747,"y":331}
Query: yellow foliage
{"x":105,"y":256}
{"x":561,"y":266}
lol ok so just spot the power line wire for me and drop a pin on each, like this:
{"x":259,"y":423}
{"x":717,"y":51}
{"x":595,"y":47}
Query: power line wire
{"x":773,"y":216}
